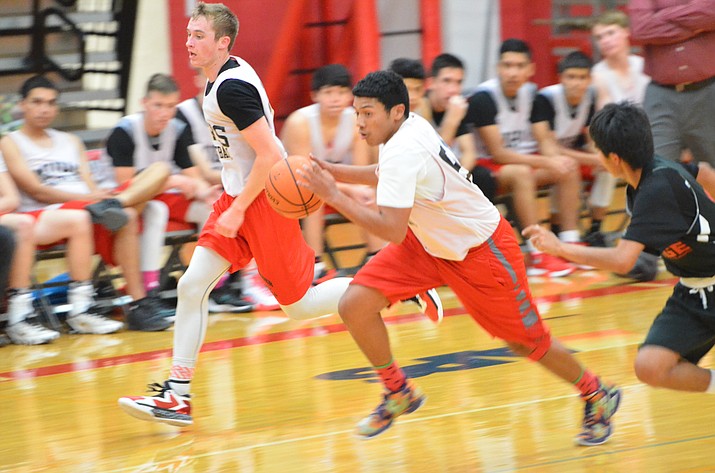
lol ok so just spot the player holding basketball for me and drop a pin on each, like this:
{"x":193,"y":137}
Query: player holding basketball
{"x":442,"y":231}
{"x":671,"y":215}
{"x":242,"y":225}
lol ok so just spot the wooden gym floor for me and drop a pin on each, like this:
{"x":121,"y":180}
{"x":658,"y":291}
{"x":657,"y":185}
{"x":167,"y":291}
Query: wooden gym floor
{"x":273,"y":395}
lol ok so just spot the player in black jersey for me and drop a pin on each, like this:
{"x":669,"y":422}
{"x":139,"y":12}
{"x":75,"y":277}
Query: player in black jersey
{"x":671,"y":215}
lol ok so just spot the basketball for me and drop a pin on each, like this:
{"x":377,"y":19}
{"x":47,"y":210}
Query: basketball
{"x":284,"y":193}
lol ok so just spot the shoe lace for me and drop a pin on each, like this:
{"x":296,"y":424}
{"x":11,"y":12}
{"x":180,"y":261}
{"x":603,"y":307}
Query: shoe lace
{"x":160,"y":389}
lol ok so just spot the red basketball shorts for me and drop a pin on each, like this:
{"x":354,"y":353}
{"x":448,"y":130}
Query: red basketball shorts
{"x":284,"y":259}
{"x":490,"y":282}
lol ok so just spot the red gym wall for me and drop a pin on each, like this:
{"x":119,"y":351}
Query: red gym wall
{"x":286,"y":40}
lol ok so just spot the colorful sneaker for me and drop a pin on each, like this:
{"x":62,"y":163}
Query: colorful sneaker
{"x":93,"y":324}
{"x":166,"y":406}
{"x":226,"y":299}
{"x":543,"y":264}
{"x":406,"y":400}
{"x":430,"y":304}
{"x":24,"y":333}
{"x":599,"y":409}
{"x":257,"y":293}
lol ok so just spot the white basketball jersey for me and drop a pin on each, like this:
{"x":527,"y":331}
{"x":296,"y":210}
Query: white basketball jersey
{"x":634,"y":88}
{"x":568,"y":122}
{"x":144,"y":153}
{"x":340,"y":150}
{"x":235,"y":153}
{"x":513,"y":117}
{"x":56,"y":166}
{"x":450,"y":215}
{"x":200,"y":130}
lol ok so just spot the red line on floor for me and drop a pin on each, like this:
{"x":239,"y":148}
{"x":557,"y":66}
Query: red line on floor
{"x":296,"y":333}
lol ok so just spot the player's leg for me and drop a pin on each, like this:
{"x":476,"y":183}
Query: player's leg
{"x":171,"y":402}
{"x":679,"y":337}
{"x":145,"y":185}
{"x":392,"y":275}
{"x":513,"y":316}
{"x":19,"y":256}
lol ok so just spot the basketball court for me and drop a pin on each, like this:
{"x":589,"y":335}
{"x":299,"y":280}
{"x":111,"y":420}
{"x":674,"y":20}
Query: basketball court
{"x":273,"y":395}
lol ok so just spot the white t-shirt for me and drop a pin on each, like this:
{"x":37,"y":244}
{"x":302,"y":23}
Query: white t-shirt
{"x":450,"y":215}
{"x":632,"y":90}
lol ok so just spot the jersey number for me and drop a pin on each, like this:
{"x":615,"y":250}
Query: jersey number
{"x":220,"y":141}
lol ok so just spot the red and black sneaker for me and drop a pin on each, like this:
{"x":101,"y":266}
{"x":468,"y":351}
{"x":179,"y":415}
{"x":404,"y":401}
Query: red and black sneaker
{"x":166,"y":406}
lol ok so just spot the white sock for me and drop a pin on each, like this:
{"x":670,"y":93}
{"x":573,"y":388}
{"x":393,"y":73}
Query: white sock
{"x":19,"y":307}
{"x":711,"y":386}
{"x":181,"y":387}
{"x":81,"y":297}
{"x":570,"y":236}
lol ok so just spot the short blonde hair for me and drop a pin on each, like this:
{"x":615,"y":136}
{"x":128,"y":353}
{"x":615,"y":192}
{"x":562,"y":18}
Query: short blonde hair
{"x":223,"y":20}
{"x":613,"y":17}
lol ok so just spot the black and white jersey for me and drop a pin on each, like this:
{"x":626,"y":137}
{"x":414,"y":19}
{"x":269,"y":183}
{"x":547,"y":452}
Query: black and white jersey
{"x":232,"y":103}
{"x":568,"y":122}
{"x":129,"y":145}
{"x":672,"y":216}
{"x":489,"y":106}
{"x":189,"y":111}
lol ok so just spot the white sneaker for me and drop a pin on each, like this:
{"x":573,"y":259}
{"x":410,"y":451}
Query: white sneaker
{"x":257,"y":293}
{"x":92,"y":323}
{"x":23,"y":333}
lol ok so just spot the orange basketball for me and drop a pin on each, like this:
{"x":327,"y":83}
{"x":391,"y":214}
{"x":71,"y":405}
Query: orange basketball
{"x":284,"y":193}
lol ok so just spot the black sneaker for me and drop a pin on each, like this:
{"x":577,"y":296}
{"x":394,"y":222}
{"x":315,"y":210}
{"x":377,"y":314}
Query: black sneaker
{"x":147,"y":315}
{"x":108,"y":213}
{"x":227,"y":299}
{"x":596,"y":239}
{"x":645,"y":269}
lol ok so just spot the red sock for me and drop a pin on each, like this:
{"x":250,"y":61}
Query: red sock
{"x":587,"y":383}
{"x":392,"y":376}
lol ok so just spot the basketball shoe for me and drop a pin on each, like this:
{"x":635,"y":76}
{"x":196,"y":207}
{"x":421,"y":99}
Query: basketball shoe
{"x":406,"y":400}
{"x":165,"y":406}
{"x":257,"y":293}
{"x":600,"y":407}
{"x":18,"y":330}
{"x":108,"y":213}
{"x":81,"y":299}
{"x":228,"y":299}
{"x":430,"y":304}
{"x":543,"y":264}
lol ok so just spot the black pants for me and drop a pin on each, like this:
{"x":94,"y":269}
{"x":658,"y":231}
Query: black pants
{"x":7,"y":249}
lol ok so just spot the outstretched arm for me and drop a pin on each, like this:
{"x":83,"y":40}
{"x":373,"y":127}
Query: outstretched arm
{"x":620,"y":259}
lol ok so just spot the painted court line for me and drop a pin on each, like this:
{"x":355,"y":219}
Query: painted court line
{"x":300,"y":333}
{"x":579,"y":452}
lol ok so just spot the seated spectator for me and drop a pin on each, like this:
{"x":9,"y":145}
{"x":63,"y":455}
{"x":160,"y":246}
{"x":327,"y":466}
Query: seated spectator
{"x":413,"y":75}
{"x":560,"y":118}
{"x":445,"y":108}
{"x":326,"y":129}
{"x":619,"y":75}
{"x":49,"y":227}
{"x":50,"y":168}
{"x":500,"y":111}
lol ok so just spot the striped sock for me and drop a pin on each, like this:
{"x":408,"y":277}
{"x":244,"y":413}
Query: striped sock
{"x":391,"y":375}
{"x":587,"y":383}
{"x":180,"y":379}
